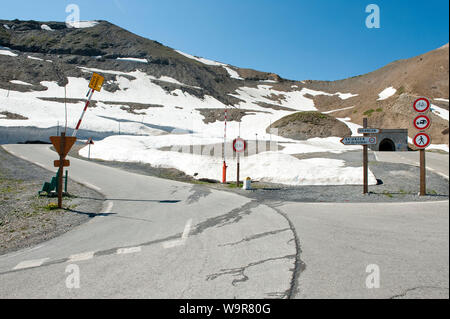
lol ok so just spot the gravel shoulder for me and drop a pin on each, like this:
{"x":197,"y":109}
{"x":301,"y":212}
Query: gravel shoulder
{"x":397,"y":182}
{"x":27,"y":219}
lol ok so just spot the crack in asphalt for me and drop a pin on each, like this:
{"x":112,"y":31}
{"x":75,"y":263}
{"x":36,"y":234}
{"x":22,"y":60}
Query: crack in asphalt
{"x":299,"y":265}
{"x":403,"y":294}
{"x":246,"y":239}
{"x":197,"y":192}
{"x":240,"y":271}
{"x":234,"y":216}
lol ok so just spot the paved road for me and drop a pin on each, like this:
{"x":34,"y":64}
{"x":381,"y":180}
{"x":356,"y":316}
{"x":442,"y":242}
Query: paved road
{"x":435,"y":162}
{"x":229,"y":246}
{"x":159,"y":239}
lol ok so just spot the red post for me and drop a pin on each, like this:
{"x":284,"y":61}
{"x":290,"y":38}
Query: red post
{"x":224,"y":173}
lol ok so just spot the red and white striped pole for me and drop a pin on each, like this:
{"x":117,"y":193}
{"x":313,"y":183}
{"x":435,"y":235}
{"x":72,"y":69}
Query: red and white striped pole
{"x":90,"y":93}
{"x":224,"y":168}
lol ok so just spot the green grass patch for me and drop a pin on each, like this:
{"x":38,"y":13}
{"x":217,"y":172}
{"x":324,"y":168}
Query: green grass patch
{"x":386,"y":193}
{"x":379,"y":110}
{"x":369,"y":112}
{"x":51,"y":206}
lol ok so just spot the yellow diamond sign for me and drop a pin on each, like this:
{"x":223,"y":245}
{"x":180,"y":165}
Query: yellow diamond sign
{"x":96,"y":82}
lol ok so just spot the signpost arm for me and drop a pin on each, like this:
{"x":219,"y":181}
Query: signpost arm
{"x":365,"y":163}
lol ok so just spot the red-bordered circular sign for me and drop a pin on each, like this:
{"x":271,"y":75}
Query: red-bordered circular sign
{"x":239,"y":145}
{"x":422,"y":122}
{"x":422,"y":140}
{"x":421,"y":105}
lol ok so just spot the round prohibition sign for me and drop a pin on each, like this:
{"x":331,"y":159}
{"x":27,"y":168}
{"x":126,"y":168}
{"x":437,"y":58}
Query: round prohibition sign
{"x":422,"y":122}
{"x":422,"y":140}
{"x":239,"y":145}
{"x":421,"y":105}
{"x":372,"y":140}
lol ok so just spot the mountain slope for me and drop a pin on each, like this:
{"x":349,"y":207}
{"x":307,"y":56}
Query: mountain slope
{"x":151,"y":88}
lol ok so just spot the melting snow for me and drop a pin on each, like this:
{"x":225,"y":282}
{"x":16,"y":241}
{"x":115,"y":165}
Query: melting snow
{"x":20,"y":82}
{"x":34,"y":58}
{"x":439,"y":111}
{"x":46,"y":27}
{"x":133,"y":60}
{"x":7,"y":51}
{"x":386,"y":93}
{"x":268,"y":166}
{"x":81,"y":24}
{"x":233,"y":74}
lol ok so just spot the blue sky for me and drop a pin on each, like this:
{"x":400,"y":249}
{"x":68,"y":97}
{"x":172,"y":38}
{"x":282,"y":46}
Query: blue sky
{"x":298,"y":39}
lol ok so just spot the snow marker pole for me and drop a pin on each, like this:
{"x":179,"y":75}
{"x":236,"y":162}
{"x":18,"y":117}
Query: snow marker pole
{"x":74,"y":134}
{"x":224,"y":168}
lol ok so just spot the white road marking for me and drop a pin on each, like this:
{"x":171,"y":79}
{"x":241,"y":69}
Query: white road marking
{"x":184,"y":236}
{"x":129,"y":250}
{"x":98,"y":189}
{"x":30,"y":263}
{"x":81,"y":257}
{"x":108,"y":208}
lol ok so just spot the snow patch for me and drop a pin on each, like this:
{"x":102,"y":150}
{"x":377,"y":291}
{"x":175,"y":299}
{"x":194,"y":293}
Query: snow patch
{"x":134,"y":60}
{"x":34,"y":58}
{"x":81,"y":24}
{"x":386,"y":93}
{"x":46,"y":27}
{"x":439,"y":111}
{"x":233,"y":74}
{"x":7,"y":52}
{"x":352,"y":126}
{"x":268,"y":166}
{"x":20,"y":82}
{"x":442,"y":100}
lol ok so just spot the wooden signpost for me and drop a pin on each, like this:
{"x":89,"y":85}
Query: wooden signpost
{"x":62,"y":145}
{"x":422,"y":140}
{"x":364,"y":140}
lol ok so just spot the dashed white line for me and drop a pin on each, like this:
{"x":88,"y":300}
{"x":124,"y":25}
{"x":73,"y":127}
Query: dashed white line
{"x":81,"y":257}
{"x":129,"y":250}
{"x":30,"y":263}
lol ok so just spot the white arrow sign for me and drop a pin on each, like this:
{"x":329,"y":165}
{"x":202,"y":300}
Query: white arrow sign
{"x":359,"y":140}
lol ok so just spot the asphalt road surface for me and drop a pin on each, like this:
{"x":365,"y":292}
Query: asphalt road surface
{"x":164,"y":239}
{"x":434,"y":162}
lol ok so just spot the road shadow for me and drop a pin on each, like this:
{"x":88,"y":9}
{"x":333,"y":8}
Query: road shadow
{"x":161,"y":201}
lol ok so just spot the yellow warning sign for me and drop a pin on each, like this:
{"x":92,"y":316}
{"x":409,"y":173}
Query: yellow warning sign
{"x":96,"y":82}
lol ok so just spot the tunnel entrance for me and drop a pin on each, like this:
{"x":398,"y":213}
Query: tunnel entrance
{"x":387,"y":145}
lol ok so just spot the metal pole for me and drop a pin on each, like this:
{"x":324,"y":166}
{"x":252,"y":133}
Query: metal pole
{"x":365,"y":163}
{"x":89,"y":153}
{"x":256,"y":143}
{"x":423,"y":186}
{"x":224,"y":168}
{"x":82,"y":114}
{"x":61,"y":168}
{"x":65,"y":182}
{"x":237,"y":177}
